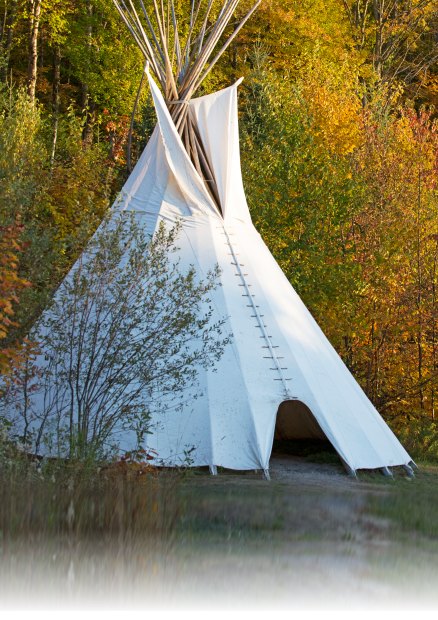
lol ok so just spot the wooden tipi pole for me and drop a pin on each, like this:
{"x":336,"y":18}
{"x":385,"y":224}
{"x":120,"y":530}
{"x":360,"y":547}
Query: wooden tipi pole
{"x":181,"y":69}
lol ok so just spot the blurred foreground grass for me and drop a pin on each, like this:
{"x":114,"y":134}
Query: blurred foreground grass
{"x":128,"y":528}
{"x":78,"y":502}
{"x":74,"y":503}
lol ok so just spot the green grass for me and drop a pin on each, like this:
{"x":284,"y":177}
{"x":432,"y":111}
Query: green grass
{"x":411,"y":505}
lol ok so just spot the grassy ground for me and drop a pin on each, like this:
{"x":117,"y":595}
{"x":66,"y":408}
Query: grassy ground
{"x":411,"y":505}
{"x":245,"y":506}
{"x":311,"y":536}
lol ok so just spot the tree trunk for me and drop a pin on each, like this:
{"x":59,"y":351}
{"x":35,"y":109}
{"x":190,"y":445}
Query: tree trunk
{"x":6,"y":37}
{"x":378,"y":44}
{"x":35,"y":14}
{"x":87,"y":106}
{"x":55,"y":99}
{"x":434,"y":326}
{"x":420,"y":334}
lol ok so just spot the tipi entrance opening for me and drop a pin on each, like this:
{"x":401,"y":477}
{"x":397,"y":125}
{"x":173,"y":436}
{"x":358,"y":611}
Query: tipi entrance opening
{"x":297,"y":433}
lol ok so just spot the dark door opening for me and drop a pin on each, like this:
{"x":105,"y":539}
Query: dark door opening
{"x":298,"y":433}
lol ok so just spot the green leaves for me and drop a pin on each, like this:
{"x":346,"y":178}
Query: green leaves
{"x":126,"y":333}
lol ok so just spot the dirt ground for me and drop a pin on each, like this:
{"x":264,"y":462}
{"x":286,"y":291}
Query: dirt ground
{"x":312,"y":537}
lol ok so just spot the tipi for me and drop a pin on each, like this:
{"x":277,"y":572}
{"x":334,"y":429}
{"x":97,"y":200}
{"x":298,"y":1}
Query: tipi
{"x":280,"y":373}
{"x":280,"y":368}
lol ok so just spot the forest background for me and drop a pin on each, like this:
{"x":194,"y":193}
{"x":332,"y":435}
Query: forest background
{"x":339,"y":149}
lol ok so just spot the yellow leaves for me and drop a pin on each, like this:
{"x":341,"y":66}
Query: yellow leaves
{"x":300,"y":31}
{"x":397,"y":254}
{"x":336,"y":114}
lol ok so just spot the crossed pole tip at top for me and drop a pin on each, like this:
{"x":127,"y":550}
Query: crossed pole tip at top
{"x":181,"y":64}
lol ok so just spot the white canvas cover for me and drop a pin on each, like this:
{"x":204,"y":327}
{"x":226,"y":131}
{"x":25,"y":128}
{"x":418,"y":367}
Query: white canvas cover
{"x":278,"y":352}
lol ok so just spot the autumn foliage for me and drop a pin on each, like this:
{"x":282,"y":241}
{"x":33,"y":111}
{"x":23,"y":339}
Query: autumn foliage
{"x":11,"y":284}
{"x":339,"y":153}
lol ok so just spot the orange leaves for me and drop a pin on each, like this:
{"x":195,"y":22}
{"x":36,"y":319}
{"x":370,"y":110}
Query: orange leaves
{"x":398,"y":257}
{"x":117,"y":132}
{"x":11,"y":284}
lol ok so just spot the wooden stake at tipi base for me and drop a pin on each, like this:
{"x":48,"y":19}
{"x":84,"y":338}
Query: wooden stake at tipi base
{"x":179,"y":64}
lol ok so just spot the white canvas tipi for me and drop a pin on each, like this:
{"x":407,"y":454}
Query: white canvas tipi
{"x":280,"y":373}
{"x":279,"y":368}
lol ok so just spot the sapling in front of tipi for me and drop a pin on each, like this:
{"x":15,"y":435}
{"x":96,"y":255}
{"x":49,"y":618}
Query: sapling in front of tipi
{"x":278,"y":371}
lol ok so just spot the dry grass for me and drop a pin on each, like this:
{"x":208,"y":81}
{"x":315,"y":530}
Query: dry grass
{"x":77,"y":502}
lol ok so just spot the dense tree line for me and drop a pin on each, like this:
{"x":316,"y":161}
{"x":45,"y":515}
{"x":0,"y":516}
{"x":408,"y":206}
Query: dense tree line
{"x":339,"y":151}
